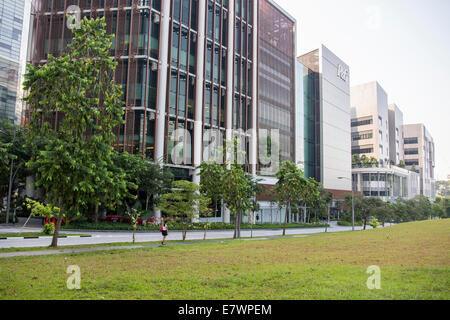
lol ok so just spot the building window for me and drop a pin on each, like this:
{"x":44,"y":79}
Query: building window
{"x":411,"y":140}
{"x":412,"y":162}
{"x":412,"y":151}
{"x":362,"y":122}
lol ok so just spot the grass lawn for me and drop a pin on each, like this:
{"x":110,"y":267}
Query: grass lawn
{"x":414,"y":259}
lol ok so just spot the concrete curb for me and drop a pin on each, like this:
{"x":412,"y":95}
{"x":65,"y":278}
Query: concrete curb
{"x":43,"y":237}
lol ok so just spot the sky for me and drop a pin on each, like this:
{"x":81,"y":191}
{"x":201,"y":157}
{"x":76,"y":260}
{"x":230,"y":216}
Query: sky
{"x":402,"y":44}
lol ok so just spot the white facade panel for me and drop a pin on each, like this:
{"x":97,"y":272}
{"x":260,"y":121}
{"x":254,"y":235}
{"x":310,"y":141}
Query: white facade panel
{"x":335,"y":121}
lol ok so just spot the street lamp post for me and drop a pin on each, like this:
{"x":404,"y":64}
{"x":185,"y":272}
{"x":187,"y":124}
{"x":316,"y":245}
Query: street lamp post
{"x":353,"y":203}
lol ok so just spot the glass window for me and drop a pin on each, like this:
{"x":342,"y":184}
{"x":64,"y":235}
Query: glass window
{"x":184,"y":49}
{"x":182,"y":96}
{"x":175,"y":39}
{"x":173,"y":92}
{"x":193,"y":54}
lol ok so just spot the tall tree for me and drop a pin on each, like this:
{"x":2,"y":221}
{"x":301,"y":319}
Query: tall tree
{"x":210,"y":181}
{"x":290,"y":188}
{"x":184,"y":201}
{"x":13,"y":157}
{"x":75,"y":167}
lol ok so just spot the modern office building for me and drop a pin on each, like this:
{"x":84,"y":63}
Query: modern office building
{"x":370,"y":121}
{"x":14,"y":27}
{"x":387,"y":181}
{"x":419,"y":154}
{"x":395,"y":134}
{"x":198,"y":65}
{"x":326,"y":118}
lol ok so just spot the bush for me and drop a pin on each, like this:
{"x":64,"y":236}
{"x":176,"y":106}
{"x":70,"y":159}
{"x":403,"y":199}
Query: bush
{"x":349,"y":224}
{"x":49,"y":228}
{"x":172,"y":225}
{"x":11,"y":214}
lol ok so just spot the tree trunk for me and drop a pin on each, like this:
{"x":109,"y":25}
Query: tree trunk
{"x":239,"y":225}
{"x":365,"y":222}
{"x":54,"y":243}
{"x":285,"y":218}
{"x":146,"y":202}
{"x":96,"y":214}
{"x":251,"y":225}
{"x":8,"y":202}
{"x":236,"y":222}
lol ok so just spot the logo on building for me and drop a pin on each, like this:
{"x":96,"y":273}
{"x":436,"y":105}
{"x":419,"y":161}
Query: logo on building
{"x":342,"y":73}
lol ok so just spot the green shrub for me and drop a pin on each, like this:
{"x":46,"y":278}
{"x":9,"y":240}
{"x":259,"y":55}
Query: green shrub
{"x":349,"y":224}
{"x":49,"y":228}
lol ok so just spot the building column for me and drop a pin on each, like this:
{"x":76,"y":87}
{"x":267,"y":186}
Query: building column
{"x":230,"y":88}
{"x":254,"y":133}
{"x":198,"y":124}
{"x":162,"y":85}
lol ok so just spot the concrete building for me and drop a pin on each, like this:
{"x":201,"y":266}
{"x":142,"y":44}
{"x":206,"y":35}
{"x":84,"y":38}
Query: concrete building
{"x":14,"y":28}
{"x":370,"y":121}
{"x":198,"y":65}
{"x":419,"y":154}
{"x":326,"y":88}
{"x":387,"y":181}
{"x":395,"y":134}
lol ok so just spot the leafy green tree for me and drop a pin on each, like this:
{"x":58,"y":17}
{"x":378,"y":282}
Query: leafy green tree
{"x":184,"y":201}
{"x":402,"y":164}
{"x":13,"y":157}
{"x":290,"y":188}
{"x":211,"y":181}
{"x":134,"y":217}
{"x":237,"y":192}
{"x":356,"y":159}
{"x":75,"y":167}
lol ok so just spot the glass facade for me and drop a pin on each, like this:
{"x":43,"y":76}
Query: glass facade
{"x":11,"y":25}
{"x":276,"y":76}
{"x":138,"y":27}
{"x":311,"y":122}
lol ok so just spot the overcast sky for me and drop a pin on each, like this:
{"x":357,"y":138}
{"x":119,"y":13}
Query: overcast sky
{"x":403,"y":44}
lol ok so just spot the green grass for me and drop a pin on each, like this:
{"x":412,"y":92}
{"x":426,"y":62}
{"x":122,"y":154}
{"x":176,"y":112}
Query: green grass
{"x":35,"y":234}
{"x":414,"y":259}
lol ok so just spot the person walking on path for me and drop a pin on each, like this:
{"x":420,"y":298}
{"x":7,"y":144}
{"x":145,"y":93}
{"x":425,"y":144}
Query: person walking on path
{"x":164,"y":231}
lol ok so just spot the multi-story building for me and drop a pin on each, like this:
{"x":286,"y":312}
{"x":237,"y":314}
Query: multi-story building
{"x":217,"y":69}
{"x":370,"y":121}
{"x":326,"y":94}
{"x":14,"y":27}
{"x":395,"y":134}
{"x":419,"y":154}
{"x":323,"y":102}
{"x":387,"y":182}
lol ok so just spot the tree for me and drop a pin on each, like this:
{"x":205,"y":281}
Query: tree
{"x":13,"y":157}
{"x":402,"y":164}
{"x":236,"y":193}
{"x":184,"y":201}
{"x":363,"y":206}
{"x":290,"y":188}
{"x":154,"y":181}
{"x":75,"y":167}
{"x":443,"y":188}
{"x":210,"y":181}
{"x":134,"y":216}
{"x":356,"y":160}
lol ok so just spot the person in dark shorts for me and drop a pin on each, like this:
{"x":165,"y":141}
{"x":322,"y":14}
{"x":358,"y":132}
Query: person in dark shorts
{"x":164,"y":231}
